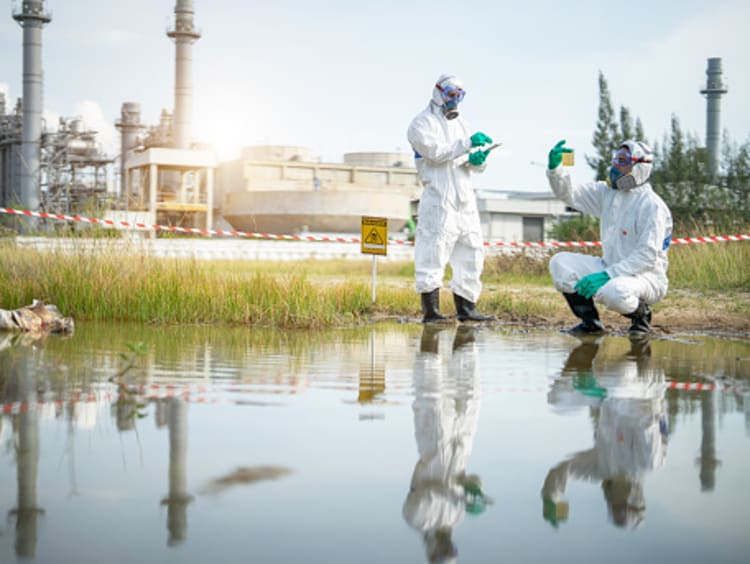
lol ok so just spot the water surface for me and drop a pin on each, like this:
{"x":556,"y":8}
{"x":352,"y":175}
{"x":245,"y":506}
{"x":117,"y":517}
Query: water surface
{"x":392,"y":443}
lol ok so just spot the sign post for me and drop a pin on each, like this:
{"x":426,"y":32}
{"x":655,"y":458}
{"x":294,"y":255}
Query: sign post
{"x":374,"y":241}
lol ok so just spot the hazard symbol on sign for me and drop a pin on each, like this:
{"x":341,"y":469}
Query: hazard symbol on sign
{"x":374,"y":235}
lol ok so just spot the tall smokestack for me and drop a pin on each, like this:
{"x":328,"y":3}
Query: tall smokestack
{"x":184,"y":35}
{"x":713,"y":92}
{"x":129,"y":125}
{"x":31,"y":18}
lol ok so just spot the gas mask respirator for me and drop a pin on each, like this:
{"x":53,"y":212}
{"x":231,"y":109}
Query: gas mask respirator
{"x":451,"y":97}
{"x":627,"y":171}
{"x":620,"y":181}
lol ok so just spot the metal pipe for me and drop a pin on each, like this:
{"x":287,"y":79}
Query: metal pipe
{"x":31,"y":18}
{"x":713,"y":91}
{"x":184,"y":35}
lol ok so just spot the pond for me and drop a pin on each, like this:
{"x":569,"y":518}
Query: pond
{"x":385,"y":443}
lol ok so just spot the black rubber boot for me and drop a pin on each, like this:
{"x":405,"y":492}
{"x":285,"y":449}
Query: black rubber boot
{"x":466,"y":310}
{"x":585,"y":310}
{"x":431,"y":307}
{"x":641,"y":319}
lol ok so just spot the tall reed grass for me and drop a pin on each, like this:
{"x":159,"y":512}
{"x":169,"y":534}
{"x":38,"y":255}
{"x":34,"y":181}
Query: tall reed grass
{"x":131,"y":288}
{"x":710,"y":266}
{"x":108,"y":286}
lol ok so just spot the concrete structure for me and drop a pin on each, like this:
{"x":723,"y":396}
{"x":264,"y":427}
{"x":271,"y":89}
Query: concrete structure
{"x":713,"y":92}
{"x":184,"y":35}
{"x":32,"y":17}
{"x":161,"y":174}
{"x":278,"y":189}
{"x":519,"y":216}
{"x":193,"y":195}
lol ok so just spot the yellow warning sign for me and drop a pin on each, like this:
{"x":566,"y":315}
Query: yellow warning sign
{"x":374,"y":235}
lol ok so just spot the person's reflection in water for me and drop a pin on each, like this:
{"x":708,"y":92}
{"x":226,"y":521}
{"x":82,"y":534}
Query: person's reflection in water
{"x":626,"y":395}
{"x":446,"y":409}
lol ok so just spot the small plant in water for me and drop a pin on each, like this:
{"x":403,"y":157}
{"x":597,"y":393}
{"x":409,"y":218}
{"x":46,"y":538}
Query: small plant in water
{"x":127,"y":398}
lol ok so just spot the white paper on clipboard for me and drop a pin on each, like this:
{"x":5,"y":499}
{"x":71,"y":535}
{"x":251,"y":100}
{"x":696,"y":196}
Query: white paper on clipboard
{"x":490,"y":148}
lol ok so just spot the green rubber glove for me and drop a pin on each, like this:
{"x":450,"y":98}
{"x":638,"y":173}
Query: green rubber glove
{"x":479,"y":139}
{"x":589,"y":285}
{"x":555,"y":155}
{"x":586,"y":384}
{"x":477,"y":158}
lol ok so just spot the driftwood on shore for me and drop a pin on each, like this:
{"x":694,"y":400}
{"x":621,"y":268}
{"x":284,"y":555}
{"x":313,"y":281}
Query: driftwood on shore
{"x":35,"y":318}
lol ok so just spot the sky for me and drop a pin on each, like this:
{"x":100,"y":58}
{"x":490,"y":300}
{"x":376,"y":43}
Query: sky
{"x":344,"y":76}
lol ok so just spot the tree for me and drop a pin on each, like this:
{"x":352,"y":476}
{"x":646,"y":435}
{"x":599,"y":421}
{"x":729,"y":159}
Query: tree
{"x":682,"y":178}
{"x":627,"y":130}
{"x":605,"y":134}
{"x":737,"y":178}
{"x":640,"y":133}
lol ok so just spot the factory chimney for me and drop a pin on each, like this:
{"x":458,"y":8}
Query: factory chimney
{"x":713,"y":92}
{"x":184,"y":34}
{"x":130,"y":126}
{"x":31,"y":18}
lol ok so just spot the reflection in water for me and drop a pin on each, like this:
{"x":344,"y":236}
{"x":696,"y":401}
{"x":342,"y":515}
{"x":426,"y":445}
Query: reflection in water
{"x":446,"y":409}
{"x":244,"y":475}
{"x":708,"y":462}
{"x":178,"y":498}
{"x":626,"y":398}
{"x":58,"y":402}
{"x":20,"y":385}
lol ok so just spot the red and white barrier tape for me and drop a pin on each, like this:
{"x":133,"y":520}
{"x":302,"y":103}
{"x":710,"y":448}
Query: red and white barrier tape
{"x":253,"y":235}
{"x":183,"y":393}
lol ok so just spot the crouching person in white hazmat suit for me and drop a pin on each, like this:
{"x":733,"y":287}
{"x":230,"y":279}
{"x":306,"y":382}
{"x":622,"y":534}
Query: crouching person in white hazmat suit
{"x":636,"y":230}
{"x":448,"y":227}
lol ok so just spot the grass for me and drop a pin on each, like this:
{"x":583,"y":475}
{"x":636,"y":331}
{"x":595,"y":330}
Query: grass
{"x":108,"y":286}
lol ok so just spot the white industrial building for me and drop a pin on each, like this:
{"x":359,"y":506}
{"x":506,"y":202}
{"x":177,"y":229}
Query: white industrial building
{"x":509,"y":216}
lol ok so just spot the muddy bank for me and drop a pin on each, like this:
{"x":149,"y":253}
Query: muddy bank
{"x":681,"y":312}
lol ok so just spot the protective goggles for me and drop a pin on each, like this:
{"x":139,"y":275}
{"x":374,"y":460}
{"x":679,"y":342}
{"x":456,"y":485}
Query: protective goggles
{"x":449,"y":93}
{"x":622,"y":157}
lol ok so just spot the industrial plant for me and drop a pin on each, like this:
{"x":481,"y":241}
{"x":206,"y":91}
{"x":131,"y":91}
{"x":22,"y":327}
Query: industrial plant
{"x":162,"y":176}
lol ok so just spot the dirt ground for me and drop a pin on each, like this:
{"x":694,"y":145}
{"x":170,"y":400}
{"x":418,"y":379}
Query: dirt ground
{"x":681,"y":312}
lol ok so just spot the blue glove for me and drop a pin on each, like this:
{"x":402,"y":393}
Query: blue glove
{"x":477,"y":158}
{"x":589,"y":285}
{"x":555,"y":155}
{"x":479,"y":139}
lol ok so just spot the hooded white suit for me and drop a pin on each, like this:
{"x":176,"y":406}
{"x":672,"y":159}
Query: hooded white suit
{"x":636,"y":230}
{"x":448,"y":227}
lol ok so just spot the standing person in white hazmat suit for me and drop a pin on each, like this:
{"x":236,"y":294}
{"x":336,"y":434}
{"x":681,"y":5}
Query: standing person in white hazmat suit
{"x":448,"y":228}
{"x":636,"y":230}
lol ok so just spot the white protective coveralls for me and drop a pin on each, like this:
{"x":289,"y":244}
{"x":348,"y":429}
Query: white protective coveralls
{"x":448,"y":227}
{"x":446,"y":410}
{"x":630,"y":435}
{"x":636,"y":230}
